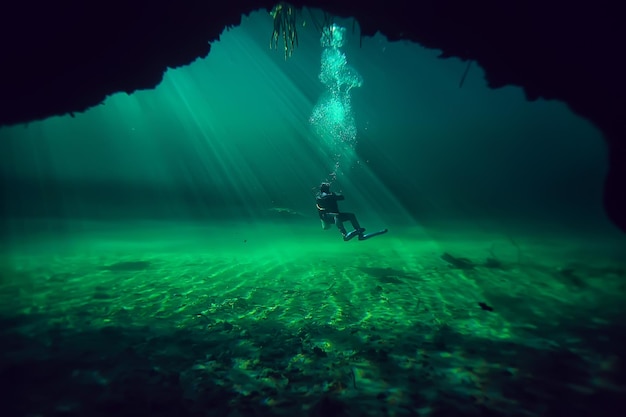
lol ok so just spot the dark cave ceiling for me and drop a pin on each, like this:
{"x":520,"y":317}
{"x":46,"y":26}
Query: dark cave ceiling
{"x":60,"y":59}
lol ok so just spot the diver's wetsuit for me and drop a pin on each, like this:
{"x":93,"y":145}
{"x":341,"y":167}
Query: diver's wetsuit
{"x":328,"y":211}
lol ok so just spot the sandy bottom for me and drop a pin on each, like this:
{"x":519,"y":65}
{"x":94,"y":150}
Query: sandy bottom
{"x":288,"y":320}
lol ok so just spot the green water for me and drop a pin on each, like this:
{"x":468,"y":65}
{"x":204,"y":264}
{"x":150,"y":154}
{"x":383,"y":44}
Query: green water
{"x":162,"y":253}
{"x":271,"y":317}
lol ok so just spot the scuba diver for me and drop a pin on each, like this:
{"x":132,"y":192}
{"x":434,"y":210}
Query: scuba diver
{"x":329,"y":213}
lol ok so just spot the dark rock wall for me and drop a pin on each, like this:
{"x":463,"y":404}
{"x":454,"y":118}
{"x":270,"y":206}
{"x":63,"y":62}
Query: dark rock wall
{"x":64,"y":57}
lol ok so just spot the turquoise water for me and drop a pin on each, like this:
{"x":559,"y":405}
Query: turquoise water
{"x":162,"y":252}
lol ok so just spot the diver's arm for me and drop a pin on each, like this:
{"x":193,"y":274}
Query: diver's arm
{"x":339,"y":197}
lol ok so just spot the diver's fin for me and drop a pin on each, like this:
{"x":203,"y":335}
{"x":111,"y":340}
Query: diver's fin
{"x":352,"y":234}
{"x":369,"y":235}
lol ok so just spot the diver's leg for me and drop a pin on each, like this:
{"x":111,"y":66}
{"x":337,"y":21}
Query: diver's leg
{"x":327,"y":221}
{"x":339,"y":223}
{"x":352,"y":219}
{"x":342,"y":217}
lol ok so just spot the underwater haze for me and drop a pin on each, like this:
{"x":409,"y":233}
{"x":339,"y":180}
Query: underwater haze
{"x":163,"y":252}
{"x":231,"y":136}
